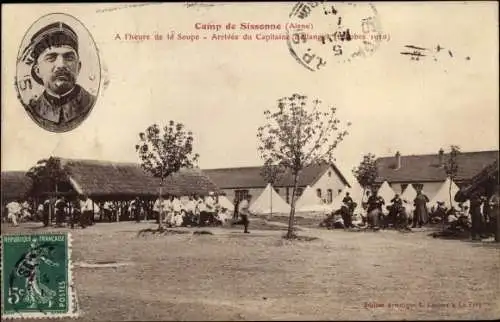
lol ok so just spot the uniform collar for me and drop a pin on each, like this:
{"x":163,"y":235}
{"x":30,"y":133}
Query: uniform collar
{"x":63,"y":99}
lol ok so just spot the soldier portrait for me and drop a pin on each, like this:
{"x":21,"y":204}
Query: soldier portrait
{"x":58,"y":76}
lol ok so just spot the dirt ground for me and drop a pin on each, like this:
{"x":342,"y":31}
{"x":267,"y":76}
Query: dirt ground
{"x":229,"y":275}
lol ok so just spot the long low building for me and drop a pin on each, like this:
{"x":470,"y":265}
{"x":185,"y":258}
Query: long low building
{"x":427,"y":171}
{"x":106,"y":180}
{"x":326,"y":180}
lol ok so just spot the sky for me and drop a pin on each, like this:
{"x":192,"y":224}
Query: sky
{"x":220,"y":89}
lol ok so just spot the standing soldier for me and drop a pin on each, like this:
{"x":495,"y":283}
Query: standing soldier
{"x":476,"y":217}
{"x":236,"y":203}
{"x":244,"y":213}
{"x":494,"y":203}
{"x":202,"y":210}
{"x":135,"y":208}
{"x":86,"y":211}
{"x":46,"y":213}
{"x":421,"y":214}
{"x":39,"y":212}
{"x":210,"y":207}
{"x":375,"y":203}
{"x":350,"y":205}
{"x":396,"y":208}
{"x":75,"y":212}
{"x":60,"y":205}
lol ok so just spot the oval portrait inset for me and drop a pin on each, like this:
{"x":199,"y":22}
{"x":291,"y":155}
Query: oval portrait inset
{"x":58,"y":72}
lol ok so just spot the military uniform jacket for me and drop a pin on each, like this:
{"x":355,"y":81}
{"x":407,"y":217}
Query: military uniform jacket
{"x":60,"y":114}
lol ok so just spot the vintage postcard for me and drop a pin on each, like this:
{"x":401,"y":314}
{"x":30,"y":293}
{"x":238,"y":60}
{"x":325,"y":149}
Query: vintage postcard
{"x":250,"y":161}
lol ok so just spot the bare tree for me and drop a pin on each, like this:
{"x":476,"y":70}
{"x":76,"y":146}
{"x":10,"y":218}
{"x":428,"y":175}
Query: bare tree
{"x":165,"y":151}
{"x":297,"y":135}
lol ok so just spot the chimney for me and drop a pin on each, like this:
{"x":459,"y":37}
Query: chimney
{"x":398,"y":160}
{"x":441,"y":157}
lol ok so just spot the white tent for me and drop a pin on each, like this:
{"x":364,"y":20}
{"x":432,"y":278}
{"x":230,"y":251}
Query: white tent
{"x":225,"y":203}
{"x":408,"y":196}
{"x":385,"y":191}
{"x":337,"y":201}
{"x":310,"y":202}
{"x":443,"y":195}
{"x":268,"y":202}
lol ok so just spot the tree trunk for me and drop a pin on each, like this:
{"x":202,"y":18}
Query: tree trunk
{"x":160,"y":200}
{"x":52,"y":206}
{"x":290,"y":233}
{"x":449,"y":192}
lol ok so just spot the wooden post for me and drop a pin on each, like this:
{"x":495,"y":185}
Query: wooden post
{"x":271,"y":202}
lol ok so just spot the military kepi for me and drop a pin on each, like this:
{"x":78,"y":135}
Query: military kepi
{"x":53,"y":35}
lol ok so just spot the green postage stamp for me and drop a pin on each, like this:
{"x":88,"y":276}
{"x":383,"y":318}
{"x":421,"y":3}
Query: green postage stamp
{"x":36,"y":276}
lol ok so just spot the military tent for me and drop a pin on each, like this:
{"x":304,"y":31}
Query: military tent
{"x":225,"y":203}
{"x":443,"y":195}
{"x":385,"y":191}
{"x":269,"y":202}
{"x":408,"y":196}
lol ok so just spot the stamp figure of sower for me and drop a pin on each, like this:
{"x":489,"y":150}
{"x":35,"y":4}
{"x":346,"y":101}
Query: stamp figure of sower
{"x":36,"y":275}
{"x":63,"y":103}
{"x":28,"y":269}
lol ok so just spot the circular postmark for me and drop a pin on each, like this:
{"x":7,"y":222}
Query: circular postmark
{"x":58,"y":75}
{"x":321,"y":33}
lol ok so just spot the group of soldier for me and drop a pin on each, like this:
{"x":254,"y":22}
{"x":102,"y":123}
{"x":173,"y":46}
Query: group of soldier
{"x":480,"y":218}
{"x":199,"y":211}
{"x":169,"y":210}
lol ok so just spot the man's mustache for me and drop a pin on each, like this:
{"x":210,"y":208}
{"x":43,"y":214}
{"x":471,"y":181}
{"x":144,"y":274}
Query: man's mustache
{"x":63,"y":73}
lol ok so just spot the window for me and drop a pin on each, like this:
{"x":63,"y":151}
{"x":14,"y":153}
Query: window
{"x":330,"y":195}
{"x":299,"y":192}
{"x":241,"y":194}
{"x":329,"y":173}
{"x":318,"y":193}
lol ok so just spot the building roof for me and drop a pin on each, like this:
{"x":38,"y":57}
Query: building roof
{"x":250,"y":177}
{"x":489,"y":175}
{"x":426,"y":168}
{"x":105,"y":179}
{"x":15,"y":185}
